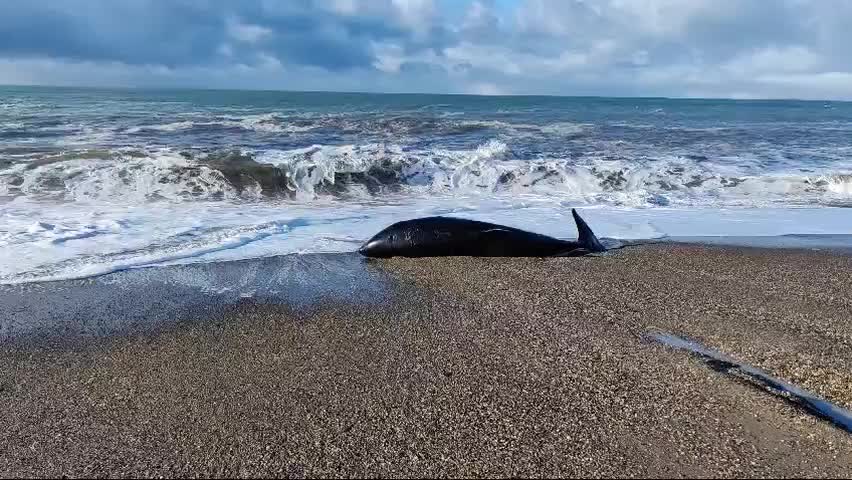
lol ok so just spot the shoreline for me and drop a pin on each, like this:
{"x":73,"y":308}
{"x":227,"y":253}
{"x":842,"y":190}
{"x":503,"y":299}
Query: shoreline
{"x":442,"y":367}
{"x":830,"y":243}
{"x":148,"y":299}
{"x":156,"y":297}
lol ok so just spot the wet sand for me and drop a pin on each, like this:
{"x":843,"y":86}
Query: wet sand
{"x":462,"y":367}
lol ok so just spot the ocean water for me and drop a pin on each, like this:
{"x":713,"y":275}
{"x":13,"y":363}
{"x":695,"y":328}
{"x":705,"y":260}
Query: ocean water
{"x":99,"y":180}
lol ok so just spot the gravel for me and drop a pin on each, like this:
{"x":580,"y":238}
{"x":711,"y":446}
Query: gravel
{"x":474,"y":367}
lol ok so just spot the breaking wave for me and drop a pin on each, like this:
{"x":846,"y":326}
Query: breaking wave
{"x":351,"y":124}
{"x":377,"y":169}
{"x":92,"y":181}
{"x":266,"y":123}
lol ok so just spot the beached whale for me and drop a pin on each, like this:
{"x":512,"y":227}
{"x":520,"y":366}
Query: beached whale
{"x":447,"y":237}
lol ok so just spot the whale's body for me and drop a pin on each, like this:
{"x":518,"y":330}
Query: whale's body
{"x":447,"y":237}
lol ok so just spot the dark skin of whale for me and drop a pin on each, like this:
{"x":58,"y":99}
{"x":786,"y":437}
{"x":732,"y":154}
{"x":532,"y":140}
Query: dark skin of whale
{"x":448,"y":237}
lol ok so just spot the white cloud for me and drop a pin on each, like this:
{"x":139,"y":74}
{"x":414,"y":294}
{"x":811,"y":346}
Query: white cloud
{"x":772,"y":59}
{"x":656,"y":18}
{"x":33,"y":71}
{"x":343,"y":7}
{"x":662,"y":18}
{"x":246,"y":32}
{"x":269,"y":61}
{"x":479,"y":17}
{"x":488,"y":57}
{"x":811,"y":85}
{"x":415,"y":14}
{"x":390,"y":58}
{"x":484,"y":88}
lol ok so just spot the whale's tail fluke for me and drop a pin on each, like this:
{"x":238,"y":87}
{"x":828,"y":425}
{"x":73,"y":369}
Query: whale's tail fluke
{"x":585,"y":237}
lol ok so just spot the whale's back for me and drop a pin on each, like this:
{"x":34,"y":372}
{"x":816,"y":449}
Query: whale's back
{"x":449,"y":236}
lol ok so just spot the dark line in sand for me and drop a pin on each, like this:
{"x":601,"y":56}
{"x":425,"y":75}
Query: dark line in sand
{"x":721,"y":363}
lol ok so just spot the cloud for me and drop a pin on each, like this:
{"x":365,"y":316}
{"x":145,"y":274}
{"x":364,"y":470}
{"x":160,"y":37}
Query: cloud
{"x":246,"y":32}
{"x":485,"y":89}
{"x":789,"y":59}
{"x":743,"y":48}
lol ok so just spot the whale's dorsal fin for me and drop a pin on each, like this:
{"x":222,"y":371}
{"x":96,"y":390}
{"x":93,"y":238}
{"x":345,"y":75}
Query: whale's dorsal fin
{"x":585,"y":237}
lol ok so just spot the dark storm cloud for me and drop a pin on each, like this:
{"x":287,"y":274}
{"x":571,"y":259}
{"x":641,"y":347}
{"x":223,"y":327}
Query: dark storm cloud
{"x":740,"y":48}
{"x":187,"y":32}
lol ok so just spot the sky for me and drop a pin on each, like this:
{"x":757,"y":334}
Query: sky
{"x":674,"y":48}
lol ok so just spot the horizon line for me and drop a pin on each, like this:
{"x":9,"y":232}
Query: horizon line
{"x":361,"y":92}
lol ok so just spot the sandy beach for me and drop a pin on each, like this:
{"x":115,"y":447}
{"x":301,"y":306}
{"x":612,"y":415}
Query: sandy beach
{"x":431,"y":367}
